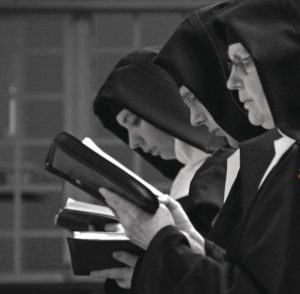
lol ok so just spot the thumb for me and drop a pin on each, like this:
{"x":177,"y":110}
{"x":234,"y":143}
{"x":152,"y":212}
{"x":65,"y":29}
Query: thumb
{"x":172,"y":204}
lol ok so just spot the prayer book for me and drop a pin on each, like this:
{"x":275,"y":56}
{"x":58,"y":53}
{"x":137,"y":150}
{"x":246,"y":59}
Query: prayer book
{"x":81,"y":216}
{"x":86,"y":166}
{"x":94,"y":250}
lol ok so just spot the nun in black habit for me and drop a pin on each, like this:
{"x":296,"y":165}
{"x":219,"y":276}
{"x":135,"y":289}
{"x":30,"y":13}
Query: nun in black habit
{"x":196,"y":57}
{"x":147,"y":91}
{"x":263,"y":255}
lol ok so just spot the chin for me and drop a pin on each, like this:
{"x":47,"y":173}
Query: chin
{"x":268,"y":125}
{"x":255,"y":120}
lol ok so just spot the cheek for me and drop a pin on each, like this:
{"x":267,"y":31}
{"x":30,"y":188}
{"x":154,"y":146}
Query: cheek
{"x":151,"y":136}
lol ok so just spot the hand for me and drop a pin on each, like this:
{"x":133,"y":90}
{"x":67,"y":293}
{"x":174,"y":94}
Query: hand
{"x":183,"y":224}
{"x":113,"y":227}
{"x":181,"y":219}
{"x":122,"y":275}
{"x":140,"y":226}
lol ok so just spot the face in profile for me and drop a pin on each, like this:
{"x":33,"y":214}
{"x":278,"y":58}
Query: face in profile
{"x":143,"y":135}
{"x":199,"y":116}
{"x":244,"y":78}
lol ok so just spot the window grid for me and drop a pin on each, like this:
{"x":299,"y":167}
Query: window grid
{"x":77,"y":95}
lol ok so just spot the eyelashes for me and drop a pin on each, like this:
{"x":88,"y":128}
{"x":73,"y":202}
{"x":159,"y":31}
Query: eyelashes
{"x":136,"y":122}
{"x":189,"y":100}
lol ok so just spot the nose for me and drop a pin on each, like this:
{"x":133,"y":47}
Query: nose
{"x":196,"y":119}
{"x":234,"y":81}
{"x":135,"y":140}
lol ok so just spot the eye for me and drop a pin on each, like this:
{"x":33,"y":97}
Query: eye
{"x":136,"y":121}
{"x":190,"y":100}
{"x":242,"y":64}
{"x":229,"y":65}
{"x":247,"y":61}
{"x":131,"y":121}
{"x":186,"y":100}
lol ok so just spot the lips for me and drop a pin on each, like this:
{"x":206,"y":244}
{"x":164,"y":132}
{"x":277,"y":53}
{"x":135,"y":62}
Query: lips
{"x":152,"y":151}
{"x":244,"y":99}
{"x":246,"y":102}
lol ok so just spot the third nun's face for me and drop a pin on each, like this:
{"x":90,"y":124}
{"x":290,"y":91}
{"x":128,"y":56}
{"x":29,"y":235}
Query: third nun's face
{"x":199,"y":115}
{"x":143,"y":135}
{"x":244,"y":78}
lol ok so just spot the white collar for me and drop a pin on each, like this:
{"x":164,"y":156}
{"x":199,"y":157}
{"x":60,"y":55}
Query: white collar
{"x":192,"y":158}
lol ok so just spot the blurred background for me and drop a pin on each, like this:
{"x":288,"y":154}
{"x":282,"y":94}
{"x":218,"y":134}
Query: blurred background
{"x":54,"y":55}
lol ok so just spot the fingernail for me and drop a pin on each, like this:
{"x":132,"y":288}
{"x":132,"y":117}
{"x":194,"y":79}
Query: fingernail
{"x":116,"y":254}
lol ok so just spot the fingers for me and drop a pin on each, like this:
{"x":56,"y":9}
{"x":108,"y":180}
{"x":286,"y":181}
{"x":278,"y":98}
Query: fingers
{"x":110,"y":197}
{"x":125,"y":210}
{"x":164,"y":199}
{"x":125,"y":257}
{"x":126,"y":284}
{"x":112,"y":227}
{"x":172,"y":204}
{"x":122,"y":274}
{"x":117,"y":202}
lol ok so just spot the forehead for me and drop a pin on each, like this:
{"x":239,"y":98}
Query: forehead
{"x":123,"y":115}
{"x":184,"y":91}
{"x":237,"y":50}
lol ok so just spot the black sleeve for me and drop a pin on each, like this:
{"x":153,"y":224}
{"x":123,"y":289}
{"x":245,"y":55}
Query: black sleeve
{"x":111,"y":287}
{"x":171,"y":266}
{"x":206,"y":194}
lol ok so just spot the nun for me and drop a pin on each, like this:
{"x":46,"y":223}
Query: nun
{"x":140,"y":103}
{"x":263,"y":253}
{"x":196,"y":57}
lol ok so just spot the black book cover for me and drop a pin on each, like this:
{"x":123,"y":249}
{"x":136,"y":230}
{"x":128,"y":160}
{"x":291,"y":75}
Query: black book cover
{"x":88,"y":255}
{"x":73,"y":220}
{"x":76,"y":163}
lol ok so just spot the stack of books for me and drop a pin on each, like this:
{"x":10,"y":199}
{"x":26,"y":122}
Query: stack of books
{"x":86,"y":166}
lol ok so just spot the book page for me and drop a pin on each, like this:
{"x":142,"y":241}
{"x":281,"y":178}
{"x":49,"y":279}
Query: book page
{"x":100,"y":236}
{"x":88,"y":207}
{"x":90,"y":143}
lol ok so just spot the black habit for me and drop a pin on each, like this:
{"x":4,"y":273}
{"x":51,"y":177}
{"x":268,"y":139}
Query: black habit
{"x":262,"y":253}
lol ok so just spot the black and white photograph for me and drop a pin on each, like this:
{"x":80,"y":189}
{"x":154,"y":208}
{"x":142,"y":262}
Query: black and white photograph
{"x":150,"y":146}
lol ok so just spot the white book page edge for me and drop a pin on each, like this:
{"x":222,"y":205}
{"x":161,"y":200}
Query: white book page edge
{"x":91,"y":144}
{"x":88,"y":207}
{"x":100,"y":236}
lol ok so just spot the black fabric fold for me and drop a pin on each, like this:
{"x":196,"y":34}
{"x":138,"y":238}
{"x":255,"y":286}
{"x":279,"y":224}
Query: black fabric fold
{"x":196,"y":57}
{"x":147,"y":90}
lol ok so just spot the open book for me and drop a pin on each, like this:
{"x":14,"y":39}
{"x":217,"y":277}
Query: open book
{"x":88,"y":167}
{"x":93,"y":250}
{"x":80,"y":216}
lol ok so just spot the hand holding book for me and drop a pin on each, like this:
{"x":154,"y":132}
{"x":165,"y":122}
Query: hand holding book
{"x":170,"y":213}
{"x":87,"y":167}
{"x":122,"y":275}
{"x":130,"y":215}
